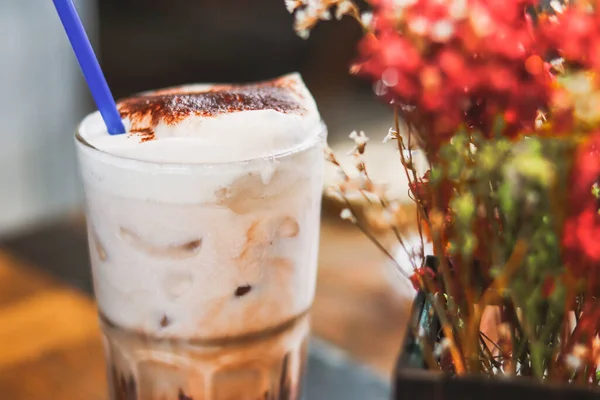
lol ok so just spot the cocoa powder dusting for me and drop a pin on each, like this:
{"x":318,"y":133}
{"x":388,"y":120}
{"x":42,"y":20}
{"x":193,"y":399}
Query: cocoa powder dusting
{"x":172,"y":105}
{"x":146,"y":134}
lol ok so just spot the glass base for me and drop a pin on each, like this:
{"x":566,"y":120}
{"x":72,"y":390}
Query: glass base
{"x":264,"y":366}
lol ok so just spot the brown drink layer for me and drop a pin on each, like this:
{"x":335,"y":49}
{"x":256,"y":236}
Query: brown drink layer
{"x":171,"y":106}
{"x":268,"y":366}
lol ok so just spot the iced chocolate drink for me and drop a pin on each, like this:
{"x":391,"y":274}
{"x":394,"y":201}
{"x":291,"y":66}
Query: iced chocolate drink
{"x":203,"y":225}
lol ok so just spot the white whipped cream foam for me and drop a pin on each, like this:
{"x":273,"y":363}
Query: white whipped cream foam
{"x":184,"y":240}
{"x":216,"y":123}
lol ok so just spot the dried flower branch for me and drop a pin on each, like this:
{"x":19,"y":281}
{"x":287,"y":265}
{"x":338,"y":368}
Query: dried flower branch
{"x":504,"y":98}
{"x":308,"y":13}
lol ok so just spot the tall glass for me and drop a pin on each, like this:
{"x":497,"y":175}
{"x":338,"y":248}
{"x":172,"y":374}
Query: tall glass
{"x":204,"y":273}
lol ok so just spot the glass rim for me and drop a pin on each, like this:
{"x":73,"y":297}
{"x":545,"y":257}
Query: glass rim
{"x":307,"y":144}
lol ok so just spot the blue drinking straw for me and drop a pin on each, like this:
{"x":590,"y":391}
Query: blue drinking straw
{"x":89,"y":66}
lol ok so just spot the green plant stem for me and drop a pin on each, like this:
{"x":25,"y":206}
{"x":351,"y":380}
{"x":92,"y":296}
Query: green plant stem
{"x":487,"y":352}
{"x":548,"y":335}
{"x":500,"y":284}
{"x":536,"y":350}
{"x":455,"y":352}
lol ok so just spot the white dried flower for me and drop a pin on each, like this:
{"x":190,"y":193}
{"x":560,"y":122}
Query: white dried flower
{"x":359,"y":137}
{"x":380,"y":88}
{"x":324,"y":14}
{"x":419,"y":25}
{"x":360,"y":141}
{"x":540,"y":119}
{"x":390,"y":77}
{"x":308,"y":13}
{"x":472,"y":148}
{"x":442,"y":30}
{"x":329,"y":155}
{"x":366,"y":18}
{"x":292,"y":5}
{"x":558,"y":64}
{"x":458,"y":9}
{"x":481,"y":21}
{"x":304,"y":33}
{"x":391,"y":135}
{"x":343,"y":8}
{"x":354,"y":69}
{"x":573,"y":362}
{"x":405,"y":3}
{"x":576,"y":360}
{"x":557,"y":6}
{"x":441,"y":347}
{"x":407,"y":107}
{"x":347,"y":215}
{"x":302,"y":18}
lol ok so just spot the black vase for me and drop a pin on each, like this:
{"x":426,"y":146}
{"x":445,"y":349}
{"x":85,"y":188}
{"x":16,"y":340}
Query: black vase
{"x":412,"y":381}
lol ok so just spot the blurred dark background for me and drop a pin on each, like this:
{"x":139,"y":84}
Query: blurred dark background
{"x":156,"y":43}
{"x":152,"y":43}
{"x":147,"y":44}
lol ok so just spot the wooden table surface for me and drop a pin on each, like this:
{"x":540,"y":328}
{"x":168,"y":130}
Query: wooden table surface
{"x":50,"y":345}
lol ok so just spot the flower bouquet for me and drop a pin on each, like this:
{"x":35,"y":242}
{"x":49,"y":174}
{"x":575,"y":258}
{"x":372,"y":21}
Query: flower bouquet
{"x":503,"y":98}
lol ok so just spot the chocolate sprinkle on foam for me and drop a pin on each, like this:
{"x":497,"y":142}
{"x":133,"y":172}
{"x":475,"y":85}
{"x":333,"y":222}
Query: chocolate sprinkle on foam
{"x":174,"y":105}
{"x":164,"y":322}
{"x":243,"y":290}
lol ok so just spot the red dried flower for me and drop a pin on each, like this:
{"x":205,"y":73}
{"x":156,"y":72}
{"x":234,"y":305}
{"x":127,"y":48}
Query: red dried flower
{"x":581,"y":231}
{"x":438,"y":196}
{"x":574,"y":35}
{"x":457,"y":62}
{"x":422,"y":273}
